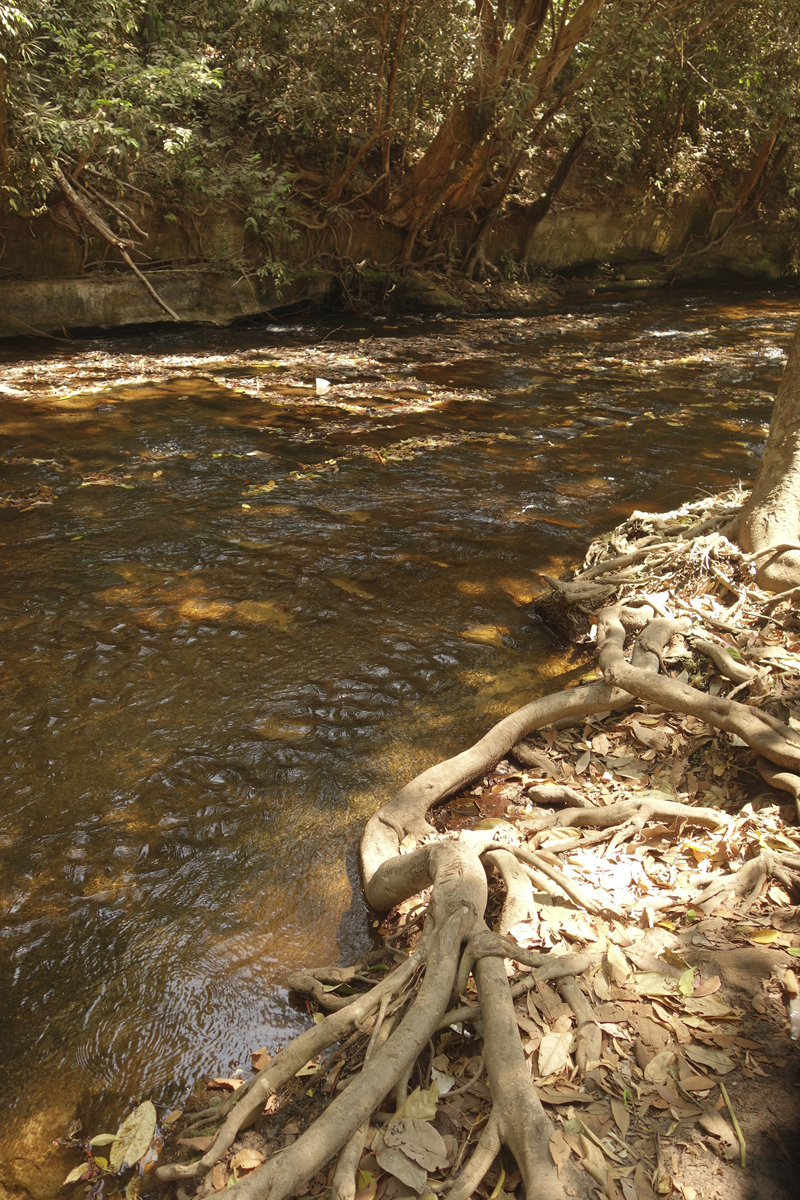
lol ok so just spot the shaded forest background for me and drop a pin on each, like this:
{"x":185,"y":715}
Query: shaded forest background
{"x":437,"y":119}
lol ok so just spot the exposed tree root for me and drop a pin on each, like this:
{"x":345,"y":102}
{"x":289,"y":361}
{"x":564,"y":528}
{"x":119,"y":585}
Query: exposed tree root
{"x":456,"y":974}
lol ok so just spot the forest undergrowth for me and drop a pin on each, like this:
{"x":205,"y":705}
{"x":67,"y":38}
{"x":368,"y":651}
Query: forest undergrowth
{"x":585,"y":978}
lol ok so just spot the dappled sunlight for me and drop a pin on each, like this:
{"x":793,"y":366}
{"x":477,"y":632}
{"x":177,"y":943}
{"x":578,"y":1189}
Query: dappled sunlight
{"x":244,"y":606}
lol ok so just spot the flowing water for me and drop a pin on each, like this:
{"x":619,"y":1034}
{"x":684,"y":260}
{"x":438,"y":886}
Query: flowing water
{"x":239,"y":607}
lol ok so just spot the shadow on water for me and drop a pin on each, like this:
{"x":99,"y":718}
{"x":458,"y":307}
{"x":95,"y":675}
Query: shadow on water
{"x":240,"y":607}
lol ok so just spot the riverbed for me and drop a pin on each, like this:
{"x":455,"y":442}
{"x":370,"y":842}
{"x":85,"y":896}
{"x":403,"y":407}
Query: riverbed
{"x":254,"y":579}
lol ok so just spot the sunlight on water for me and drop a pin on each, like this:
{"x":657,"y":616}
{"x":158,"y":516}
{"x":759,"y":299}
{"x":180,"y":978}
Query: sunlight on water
{"x":240,"y":608}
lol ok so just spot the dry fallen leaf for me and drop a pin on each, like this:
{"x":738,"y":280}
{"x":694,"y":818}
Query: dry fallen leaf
{"x":260,"y":1058}
{"x":594,"y":1160}
{"x":644,"y":1188}
{"x":197,"y":1143}
{"x":621,"y":1115}
{"x":420,"y":1103}
{"x":246,"y":1160}
{"x":715,"y":1060}
{"x":661,"y":1066}
{"x":554,"y":1052}
{"x":714,"y":1122}
{"x":559,"y":1150}
{"x":418,"y":1140}
{"x":133,"y":1137}
{"x":617,"y":963}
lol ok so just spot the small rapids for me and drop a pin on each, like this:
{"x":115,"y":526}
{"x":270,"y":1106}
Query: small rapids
{"x":253,"y":580}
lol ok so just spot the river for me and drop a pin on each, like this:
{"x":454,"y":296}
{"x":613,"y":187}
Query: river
{"x":240,"y":606}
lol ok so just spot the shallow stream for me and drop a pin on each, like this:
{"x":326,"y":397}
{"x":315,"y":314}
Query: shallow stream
{"x":240,"y":606}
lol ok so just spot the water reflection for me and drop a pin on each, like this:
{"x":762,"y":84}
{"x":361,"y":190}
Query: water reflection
{"x":241,"y":606}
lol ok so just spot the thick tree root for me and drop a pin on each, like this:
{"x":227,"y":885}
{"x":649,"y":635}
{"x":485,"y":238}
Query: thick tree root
{"x":425,"y":992}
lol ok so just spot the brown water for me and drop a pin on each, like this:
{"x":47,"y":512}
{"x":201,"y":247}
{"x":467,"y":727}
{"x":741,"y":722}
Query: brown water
{"x":207,"y":688}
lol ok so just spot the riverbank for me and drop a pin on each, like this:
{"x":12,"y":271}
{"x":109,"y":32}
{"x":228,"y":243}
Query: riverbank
{"x":144,"y":794}
{"x":209,"y":269}
{"x":673,"y":1065}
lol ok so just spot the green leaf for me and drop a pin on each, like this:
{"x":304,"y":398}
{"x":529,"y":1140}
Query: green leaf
{"x":103,"y":1139}
{"x":794,"y":951}
{"x":686,"y":982}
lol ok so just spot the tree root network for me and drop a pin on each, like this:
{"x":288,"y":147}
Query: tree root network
{"x":535,"y":998}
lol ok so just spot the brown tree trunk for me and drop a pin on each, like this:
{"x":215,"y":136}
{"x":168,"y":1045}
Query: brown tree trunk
{"x":458,"y":152}
{"x":3,"y":121}
{"x":771,"y":517}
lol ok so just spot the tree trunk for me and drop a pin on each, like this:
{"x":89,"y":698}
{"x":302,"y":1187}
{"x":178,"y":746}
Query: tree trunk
{"x":458,"y":159}
{"x":3,"y":120}
{"x":771,"y":517}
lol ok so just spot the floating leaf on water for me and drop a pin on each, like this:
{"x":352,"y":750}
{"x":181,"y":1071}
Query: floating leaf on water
{"x":172,"y":1116}
{"x":224,"y":1085}
{"x":485,"y":635}
{"x":261,"y":489}
{"x":282,"y":731}
{"x":103,"y":1139}
{"x":347,"y":585}
{"x":263,"y":612}
{"x":133,"y":1137}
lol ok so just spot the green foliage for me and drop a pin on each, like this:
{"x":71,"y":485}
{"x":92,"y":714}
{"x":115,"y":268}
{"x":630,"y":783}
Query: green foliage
{"x":215,"y":101}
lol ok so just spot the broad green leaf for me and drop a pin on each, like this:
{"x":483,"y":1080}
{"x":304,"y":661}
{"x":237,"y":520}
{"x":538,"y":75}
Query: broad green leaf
{"x":103,"y":1139}
{"x":686,"y":982}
